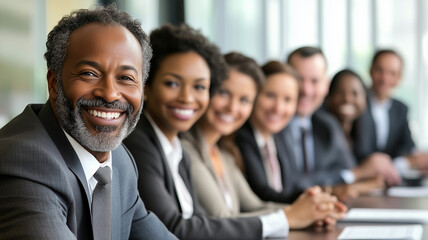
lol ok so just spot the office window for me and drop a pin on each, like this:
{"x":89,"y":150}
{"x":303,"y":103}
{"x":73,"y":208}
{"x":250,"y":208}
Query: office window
{"x":334,"y":34}
{"x":302,"y":25}
{"x":22,"y":37}
{"x":146,"y":11}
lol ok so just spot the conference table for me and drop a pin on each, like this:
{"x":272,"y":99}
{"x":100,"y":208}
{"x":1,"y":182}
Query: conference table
{"x":372,"y":201}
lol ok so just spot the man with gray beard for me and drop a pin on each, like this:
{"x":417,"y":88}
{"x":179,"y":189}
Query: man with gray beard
{"x":64,"y":173}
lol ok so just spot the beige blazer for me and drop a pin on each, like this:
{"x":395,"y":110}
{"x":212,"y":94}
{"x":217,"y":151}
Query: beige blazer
{"x":244,"y":201}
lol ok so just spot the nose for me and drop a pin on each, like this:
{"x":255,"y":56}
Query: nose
{"x":306,"y":88}
{"x":233,"y":105}
{"x":107,"y":89}
{"x":348,"y":98}
{"x":278,"y":106}
{"x":185,"y":94}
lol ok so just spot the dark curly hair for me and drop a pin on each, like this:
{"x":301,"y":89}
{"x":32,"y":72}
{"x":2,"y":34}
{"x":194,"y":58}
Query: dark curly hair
{"x":169,"y":39}
{"x":58,"y":38}
{"x":246,"y":65}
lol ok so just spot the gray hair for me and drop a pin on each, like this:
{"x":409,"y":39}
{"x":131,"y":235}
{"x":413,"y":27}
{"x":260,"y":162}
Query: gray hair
{"x":58,"y":38}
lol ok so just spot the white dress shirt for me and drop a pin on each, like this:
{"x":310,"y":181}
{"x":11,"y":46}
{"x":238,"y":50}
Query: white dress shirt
{"x":89,"y":163}
{"x":380,"y":113}
{"x":174,"y":154}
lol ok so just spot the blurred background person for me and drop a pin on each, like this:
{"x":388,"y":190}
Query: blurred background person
{"x":266,"y":156}
{"x":220,"y":185}
{"x":321,"y":152}
{"x":384,"y":126}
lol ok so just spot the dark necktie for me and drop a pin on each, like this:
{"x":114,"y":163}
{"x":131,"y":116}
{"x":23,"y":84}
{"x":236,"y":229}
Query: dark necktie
{"x":101,"y":204}
{"x":304,"y":133}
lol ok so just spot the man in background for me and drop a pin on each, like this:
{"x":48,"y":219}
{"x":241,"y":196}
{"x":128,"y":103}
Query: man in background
{"x":384,"y":127}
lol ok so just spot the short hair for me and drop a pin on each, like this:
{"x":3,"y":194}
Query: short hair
{"x":339,"y":75}
{"x":306,"y":52}
{"x":58,"y":38}
{"x":274,"y":67}
{"x":169,"y":39}
{"x":386,"y":51}
{"x":246,"y":65}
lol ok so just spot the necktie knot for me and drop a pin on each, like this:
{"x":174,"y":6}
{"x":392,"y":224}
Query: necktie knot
{"x":103,"y":175}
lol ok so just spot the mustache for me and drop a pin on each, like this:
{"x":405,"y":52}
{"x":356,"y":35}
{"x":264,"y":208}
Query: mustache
{"x":99,"y":102}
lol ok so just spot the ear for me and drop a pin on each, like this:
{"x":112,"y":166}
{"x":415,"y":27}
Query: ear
{"x":52,"y":85}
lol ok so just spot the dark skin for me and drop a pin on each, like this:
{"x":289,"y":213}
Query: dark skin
{"x":101,"y":62}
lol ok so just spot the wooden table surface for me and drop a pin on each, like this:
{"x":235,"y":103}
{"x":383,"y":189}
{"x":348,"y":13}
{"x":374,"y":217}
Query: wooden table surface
{"x":363,"y":202}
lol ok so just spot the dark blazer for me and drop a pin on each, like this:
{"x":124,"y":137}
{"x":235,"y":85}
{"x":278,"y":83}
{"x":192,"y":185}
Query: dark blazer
{"x":255,"y":169}
{"x":44,"y":193}
{"x":158,"y":192}
{"x":399,"y":141}
{"x":331,"y":152}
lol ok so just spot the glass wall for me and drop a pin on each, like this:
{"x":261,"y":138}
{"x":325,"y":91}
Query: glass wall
{"x":22,"y":33}
{"x":347,"y":30}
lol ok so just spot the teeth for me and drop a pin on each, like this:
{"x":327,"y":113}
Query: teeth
{"x":226,"y":118}
{"x":184,"y":112}
{"x":273,"y":117}
{"x":348,"y":109}
{"x":105,"y":115}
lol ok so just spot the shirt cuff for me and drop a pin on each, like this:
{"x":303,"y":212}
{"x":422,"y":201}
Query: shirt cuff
{"x":347,"y":176}
{"x":275,"y":225}
{"x":402,"y":165}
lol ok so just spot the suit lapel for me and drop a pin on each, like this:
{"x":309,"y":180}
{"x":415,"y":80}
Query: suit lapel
{"x":51,"y":125}
{"x":371,"y":139}
{"x":147,"y":127}
{"x":393,"y":115}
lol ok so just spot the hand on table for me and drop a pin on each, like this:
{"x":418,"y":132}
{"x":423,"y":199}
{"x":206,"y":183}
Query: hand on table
{"x":314,"y":206}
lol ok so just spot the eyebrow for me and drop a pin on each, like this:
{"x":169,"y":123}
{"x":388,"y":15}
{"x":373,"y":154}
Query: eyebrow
{"x":98,"y":66}
{"x":180,"y":78}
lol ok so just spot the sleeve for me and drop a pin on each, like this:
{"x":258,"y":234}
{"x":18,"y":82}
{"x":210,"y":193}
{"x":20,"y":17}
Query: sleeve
{"x":250,"y":203}
{"x":30,"y":210}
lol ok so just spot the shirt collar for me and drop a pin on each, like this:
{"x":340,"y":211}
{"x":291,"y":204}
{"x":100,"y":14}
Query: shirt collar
{"x":386,"y":104}
{"x":261,"y":141}
{"x":172,"y":150}
{"x":302,"y":122}
{"x":89,"y":163}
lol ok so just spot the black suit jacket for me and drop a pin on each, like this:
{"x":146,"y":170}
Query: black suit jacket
{"x":158,"y":192}
{"x":399,"y":141}
{"x":331,"y":152}
{"x":255,"y":169}
{"x":44,"y":193}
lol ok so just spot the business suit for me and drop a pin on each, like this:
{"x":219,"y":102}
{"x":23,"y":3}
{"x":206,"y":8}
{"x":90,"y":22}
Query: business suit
{"x":255,"y":168}
{"x":244,"y":202}
{"x":331,"y":154}
{"x":399,"y":141}
{"x":158,"y":192}
{"x":44,"y":189}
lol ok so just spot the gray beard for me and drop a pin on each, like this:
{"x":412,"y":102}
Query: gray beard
{"x":70,"y":119}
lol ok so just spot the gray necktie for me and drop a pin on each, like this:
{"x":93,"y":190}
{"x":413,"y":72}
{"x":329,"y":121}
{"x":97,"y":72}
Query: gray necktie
{"x":101,"y":204}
